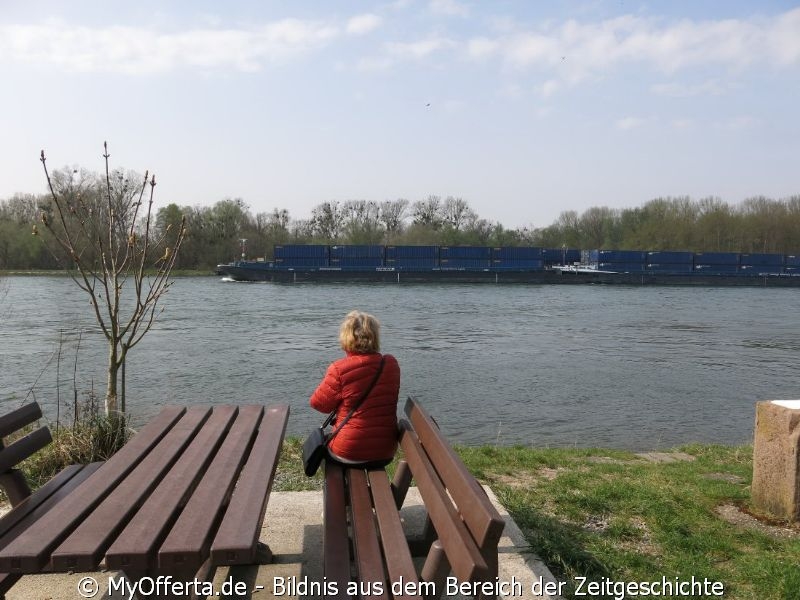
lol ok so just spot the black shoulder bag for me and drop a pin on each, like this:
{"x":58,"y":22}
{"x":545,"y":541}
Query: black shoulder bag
{"x":316,"y":445}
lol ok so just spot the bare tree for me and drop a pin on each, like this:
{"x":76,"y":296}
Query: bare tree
{"x":428,"y":212}
{"x":392,"y":214}
{"x":456,"y":212}
{"x":115,"y":256}
{"x":362,"y":224}
{"x":328,"y":221}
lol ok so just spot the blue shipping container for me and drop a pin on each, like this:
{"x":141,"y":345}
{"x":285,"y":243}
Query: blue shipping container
{"x":621,"y":256}
{"x":300,"y":251}
{"x":761,"y":259}
{"x":301,"y":262}
{"x":670,"y":257}
{"x":670,"y":267}
{"x":792,"y":260}
{"x":465,"y":252}
{"x":516,"y":253}
{"x":416,"y":252}
{"x":464,"y":263}
{"x":412,"y":263}
{"x":356,"y":251}
{"x":357,"y":261}
{"x":622,"y":267}
{"x":715,"y":269}
{"x":519,"y":265}
{"x":559,"y":256}
{"x":756,"y":269}
{"x":716,"y":258}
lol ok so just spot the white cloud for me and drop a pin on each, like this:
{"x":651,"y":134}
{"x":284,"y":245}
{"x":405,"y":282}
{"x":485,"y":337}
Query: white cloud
{"x":578,"y":50}
{"x":375,"y":63}
{"x":481,"y":48}
{"x":682,"y":124}
{"x":738,"y":123}
{"x":450,"y":8}
{"x":628,"y":123}
{"x":712,"y":87}
{"x":137,"y":50}
{"x":419,"y":49}
{"x":362,"y":24}
{"x":550,"y":87}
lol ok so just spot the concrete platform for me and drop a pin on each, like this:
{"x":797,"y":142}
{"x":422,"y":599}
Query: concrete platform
{"x":293,"y":530}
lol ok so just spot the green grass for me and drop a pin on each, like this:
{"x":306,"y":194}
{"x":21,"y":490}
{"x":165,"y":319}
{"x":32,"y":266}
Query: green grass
{"x":601,"y":513}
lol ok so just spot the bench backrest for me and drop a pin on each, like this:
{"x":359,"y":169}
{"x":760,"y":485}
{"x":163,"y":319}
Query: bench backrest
{"x":466,"y":522}
{"x":10,"y":456}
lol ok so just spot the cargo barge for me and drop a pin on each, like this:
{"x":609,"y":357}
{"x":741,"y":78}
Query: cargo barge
{"x":514,"y":264}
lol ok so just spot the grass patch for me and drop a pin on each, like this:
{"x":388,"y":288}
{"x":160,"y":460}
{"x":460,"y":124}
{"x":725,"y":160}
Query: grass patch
{"x":94,"y":438}
{"x":602,"y":513}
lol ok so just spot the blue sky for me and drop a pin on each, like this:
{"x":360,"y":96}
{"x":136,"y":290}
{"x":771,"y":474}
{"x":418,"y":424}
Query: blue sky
{"x":524,"y":109}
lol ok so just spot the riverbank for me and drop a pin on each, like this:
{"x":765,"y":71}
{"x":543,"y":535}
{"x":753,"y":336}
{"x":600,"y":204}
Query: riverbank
{"x":628,"y":517}
{"x":617,"y":516}
{"x":62,"y":273}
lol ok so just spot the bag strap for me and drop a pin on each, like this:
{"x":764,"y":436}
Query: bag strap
{"x":355,"y":406}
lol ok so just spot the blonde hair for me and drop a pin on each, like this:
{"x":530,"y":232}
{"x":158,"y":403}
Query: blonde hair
{"x":360,"y":333}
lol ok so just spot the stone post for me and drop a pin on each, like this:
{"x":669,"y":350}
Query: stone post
{"x":776,"y":459}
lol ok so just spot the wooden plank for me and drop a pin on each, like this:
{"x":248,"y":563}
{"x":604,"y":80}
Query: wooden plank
{"x":368,"y":556}
{"x":29,"y":552}
{"x":237,"y":536}
{"x":397,"y":556}
{"x":18,"y":418}
{"x":15,"y":485}
{"x":188,"y":543}
{"x":23,"y":448}
{"x":335,"y":542}
{"x":84,"y":548}
{"x":135,"y":548}
{"x":467,"y":562}
{"x":19,"y":512}
{"x":35,"y":510}
{"x":481,"y":517}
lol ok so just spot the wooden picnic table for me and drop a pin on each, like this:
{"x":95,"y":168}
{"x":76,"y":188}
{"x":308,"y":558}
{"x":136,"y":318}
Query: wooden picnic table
{"x":185,"y":495}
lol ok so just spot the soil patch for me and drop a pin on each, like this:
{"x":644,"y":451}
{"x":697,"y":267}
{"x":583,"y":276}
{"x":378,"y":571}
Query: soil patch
{"x":736,"y":516}
{"x":666,"y":457}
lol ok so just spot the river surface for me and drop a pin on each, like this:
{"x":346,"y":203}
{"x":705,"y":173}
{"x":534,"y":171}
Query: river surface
{"x":621,"y":367}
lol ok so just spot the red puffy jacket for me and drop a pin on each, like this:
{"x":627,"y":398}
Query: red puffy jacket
{"x":371,"y":433}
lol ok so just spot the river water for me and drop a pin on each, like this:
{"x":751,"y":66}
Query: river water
{"x":621,"y":367}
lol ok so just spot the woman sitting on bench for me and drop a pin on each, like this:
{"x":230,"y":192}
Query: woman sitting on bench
{"x":368,"y":382}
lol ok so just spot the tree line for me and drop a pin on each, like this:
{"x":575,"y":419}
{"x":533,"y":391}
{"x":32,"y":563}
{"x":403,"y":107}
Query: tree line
{"x":214,"y":233}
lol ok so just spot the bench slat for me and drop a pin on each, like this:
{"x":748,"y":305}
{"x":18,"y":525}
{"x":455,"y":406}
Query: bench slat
{"x":191,"y":536}
{"x":151,"y":524}
{"x":17,"y":419}
{"x":33,"y":502}
{"x":66,"y":484}
{"x":23,"y":448}
{"x":40,"y":502}
{"x":336,"y":546}
{"x":399,"y":564}
{"x":83,"y":549}
{"x":245,"y":514}
{"x":463,"y":554}
{"x":481,"y":517}
{"x":365,"y":533}
{"x":28,"y":553}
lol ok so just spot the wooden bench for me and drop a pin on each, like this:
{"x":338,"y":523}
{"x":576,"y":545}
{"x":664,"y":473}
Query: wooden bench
{"x":185,"y":495}
{"x":27,"y":507}
{"x":363,"y":537}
